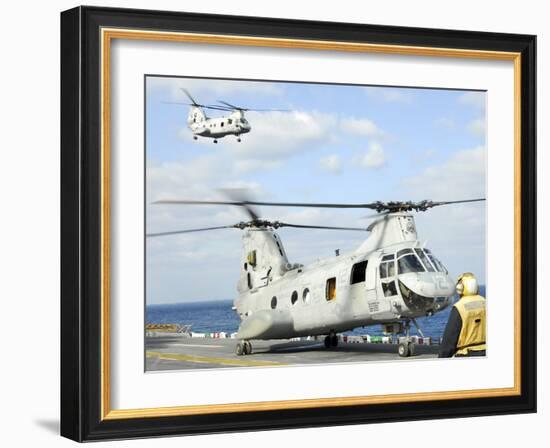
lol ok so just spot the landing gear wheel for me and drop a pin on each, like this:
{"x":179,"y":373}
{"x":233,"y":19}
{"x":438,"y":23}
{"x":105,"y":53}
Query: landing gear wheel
{"x":239,"y":350}
{"x":334,"y":341}
{"x":247,"y":348}
{"x":403,"y":349}
{"x":411,"y":348}
{"x":327,"y":342}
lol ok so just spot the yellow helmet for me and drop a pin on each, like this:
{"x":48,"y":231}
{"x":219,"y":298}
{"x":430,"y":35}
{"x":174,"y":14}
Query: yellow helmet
{"x":466,"y":285}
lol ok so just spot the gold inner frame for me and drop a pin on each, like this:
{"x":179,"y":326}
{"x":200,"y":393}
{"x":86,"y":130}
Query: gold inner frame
{"x":107,"y":35}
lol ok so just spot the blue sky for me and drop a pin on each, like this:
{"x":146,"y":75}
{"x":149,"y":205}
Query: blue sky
{"x":333,"y":143}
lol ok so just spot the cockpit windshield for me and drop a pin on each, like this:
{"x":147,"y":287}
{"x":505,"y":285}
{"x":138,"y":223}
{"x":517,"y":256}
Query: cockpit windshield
{"x":438,"y":265}
{"x":409,"y":263}
{"x":411,"y":260}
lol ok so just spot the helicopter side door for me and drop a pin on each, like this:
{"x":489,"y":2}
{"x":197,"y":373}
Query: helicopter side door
{"x":385,"y":290}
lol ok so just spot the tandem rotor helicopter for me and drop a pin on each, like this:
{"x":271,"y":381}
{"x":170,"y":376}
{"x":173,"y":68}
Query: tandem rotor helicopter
{"x":218,"y":127}
{"x":390,"y":279}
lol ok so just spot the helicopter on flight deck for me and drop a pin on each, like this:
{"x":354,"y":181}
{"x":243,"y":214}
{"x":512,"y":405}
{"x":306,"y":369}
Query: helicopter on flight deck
{"x":218,"y":127}
{"x":390,"y":279}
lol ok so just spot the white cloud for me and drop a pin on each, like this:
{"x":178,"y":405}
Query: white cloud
{"x":456,"y":232}
{"x":477,"y":126}
{"x":374,"y":157}
{"x":475,"y":99}
{"x":207,"y":91}
{"x":462,"y":177}
{"x":331,"y":164}
{"x":445,"y":122}
{"x":361,"y":126}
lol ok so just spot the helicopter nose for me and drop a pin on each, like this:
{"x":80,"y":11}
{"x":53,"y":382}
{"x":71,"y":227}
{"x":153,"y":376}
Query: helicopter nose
{"x":436,"y":285}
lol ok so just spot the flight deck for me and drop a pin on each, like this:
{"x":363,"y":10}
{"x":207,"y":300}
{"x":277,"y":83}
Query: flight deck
{"x":177,"y":352}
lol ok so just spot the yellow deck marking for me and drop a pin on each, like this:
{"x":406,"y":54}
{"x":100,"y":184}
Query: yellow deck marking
{"x":209,"y":360}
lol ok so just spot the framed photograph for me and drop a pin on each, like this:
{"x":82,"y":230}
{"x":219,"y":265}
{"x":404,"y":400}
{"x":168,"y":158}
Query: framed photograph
{"x":274,"y":223}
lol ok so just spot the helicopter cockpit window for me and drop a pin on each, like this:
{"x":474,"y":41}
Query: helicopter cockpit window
{"x":388,"y":257}
{"x":438,"y":265}
{"x":358,"y":272}
{"x":243,"y":121}
{"x":229,"y":121}
{"x":424,"y":260}
{"x":409,"y":263}
{"x":403,"y":252}
{"x":387,"y":269}
{"x":389,"y":289}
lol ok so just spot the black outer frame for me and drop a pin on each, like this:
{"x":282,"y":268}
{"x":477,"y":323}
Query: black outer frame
{"x":81,"y":207}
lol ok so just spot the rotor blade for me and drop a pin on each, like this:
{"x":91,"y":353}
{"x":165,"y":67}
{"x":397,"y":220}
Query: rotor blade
{"x":271,"y":204}
{"x":436,"y":203}
{"x":303,"y":226}
{"x":188,"y":95}
{"x":203,"y":229}
{"x":241,"y":195}
{"x":231,"y":105}
{"x":196,"y":105}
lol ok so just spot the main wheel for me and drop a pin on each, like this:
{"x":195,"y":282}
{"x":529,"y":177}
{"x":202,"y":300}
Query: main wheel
{"x":334,"y":340}
{"x":403,"y":349}
{"x":239,"y":350}
{"x":247,"y":349}
{"x":327,"y":342}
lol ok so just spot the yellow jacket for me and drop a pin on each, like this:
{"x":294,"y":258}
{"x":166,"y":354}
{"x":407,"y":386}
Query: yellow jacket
{"x":473,"y":315}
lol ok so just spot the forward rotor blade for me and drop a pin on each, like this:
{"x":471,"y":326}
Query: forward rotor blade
{"x":269,"y":204}
{"x":197,"y":105}
{"x":437,"y":203}
{"x":188,"y":95}
{"x":303,"y":226}
{"x":176,"y":232}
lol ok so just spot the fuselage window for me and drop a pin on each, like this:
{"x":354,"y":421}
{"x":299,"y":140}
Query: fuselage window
{"x":389,"y":289}
{"x":358,"y":272}
{"x":273,"y":302}
{"x":424,"y":260}
{"x":249,"y":280}
{"x":222,"y":124}
{"x":409,"y":263}
{"x":294,"y":297}
{"x":330,"y":290}
{"x":306,"y":295}
{"x":229,"y":121}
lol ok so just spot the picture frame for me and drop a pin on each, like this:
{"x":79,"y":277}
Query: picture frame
{"x":86,"y":175}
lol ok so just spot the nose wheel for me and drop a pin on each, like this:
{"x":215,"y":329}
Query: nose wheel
{"x":331,"y":340}
{"x":406,"y":348}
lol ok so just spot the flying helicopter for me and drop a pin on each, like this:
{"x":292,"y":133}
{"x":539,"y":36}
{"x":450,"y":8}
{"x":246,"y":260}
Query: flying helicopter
{"x":390,"y":279}
{"x":218,"y":127}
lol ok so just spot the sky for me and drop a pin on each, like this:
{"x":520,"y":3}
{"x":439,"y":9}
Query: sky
{"x":331,"y":143}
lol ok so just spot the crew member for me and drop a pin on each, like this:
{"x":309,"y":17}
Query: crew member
{"x":465,"y":331}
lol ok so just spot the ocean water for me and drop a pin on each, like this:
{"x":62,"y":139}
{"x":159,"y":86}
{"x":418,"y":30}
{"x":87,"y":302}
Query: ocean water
{"x":214,"y":316}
